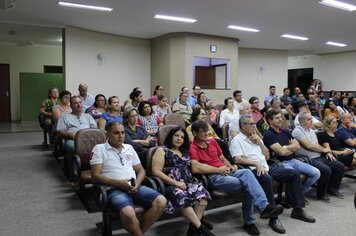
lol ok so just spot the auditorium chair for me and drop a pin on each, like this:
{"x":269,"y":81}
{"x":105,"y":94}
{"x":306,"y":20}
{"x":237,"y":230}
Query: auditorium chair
{"x":174,"y":119}
{"x":163,"y":131}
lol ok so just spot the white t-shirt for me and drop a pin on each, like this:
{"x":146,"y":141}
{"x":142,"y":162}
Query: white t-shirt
{"x":116,"y":165}
{"x":241,"y":145}
{"x":226,"y":116}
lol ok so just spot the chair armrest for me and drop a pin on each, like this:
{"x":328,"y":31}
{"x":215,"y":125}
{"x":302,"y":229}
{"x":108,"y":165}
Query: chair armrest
{"x":205,"y":180}
{"x":78,"y":162}
{"x":149,"y":182}
{"x":303,"y":158}
{"x":101,"y":197}
{"x":159,"y":185}
{"x":274,"y":161}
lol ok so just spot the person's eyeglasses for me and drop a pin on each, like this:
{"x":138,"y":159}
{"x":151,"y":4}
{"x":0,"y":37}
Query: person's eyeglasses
{"x":121,"y":158}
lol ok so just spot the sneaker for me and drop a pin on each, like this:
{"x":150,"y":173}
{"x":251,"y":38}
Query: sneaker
{"x":251,"y":229}
{"x":271,"y":211}
{"x":300,"y":214}
{"x":336,"y":193}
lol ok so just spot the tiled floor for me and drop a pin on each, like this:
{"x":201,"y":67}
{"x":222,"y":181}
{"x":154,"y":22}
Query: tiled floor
{"x":19,"y":126}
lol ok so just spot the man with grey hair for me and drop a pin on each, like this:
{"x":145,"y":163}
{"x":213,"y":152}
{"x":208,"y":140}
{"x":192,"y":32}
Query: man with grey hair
{"x":247,"y":148}
{"x":346,"y":133}
{"x":331,"y":170}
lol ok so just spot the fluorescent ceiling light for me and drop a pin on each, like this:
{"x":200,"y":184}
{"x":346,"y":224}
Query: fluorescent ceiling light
{"x":293,"y":37}
{"x":243,"y":28}
{"x":338,"y":4}
{"x":76,"y":5}
{"x":336,"y":44}
{"x":175,"y":18}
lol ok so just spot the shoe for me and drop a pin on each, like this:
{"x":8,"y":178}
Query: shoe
{"x":336,"y":193}
{"x":271,"y":211}
{"x":306,"y":202}
{"x":300,"y":214}
{"x":203,"y":230}
{"x":277,"y":226}
{"x":75,"y":186}
{"x":206,"y":223}
{"x":251,"y":229}
{"x":192,"y":231}
{"x":324,"y":198}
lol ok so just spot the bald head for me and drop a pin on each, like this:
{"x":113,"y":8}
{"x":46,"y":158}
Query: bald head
{"x":83,"y":89}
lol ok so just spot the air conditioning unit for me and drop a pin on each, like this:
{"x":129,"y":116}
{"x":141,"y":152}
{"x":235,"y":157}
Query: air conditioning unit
{"x":7,"y":4}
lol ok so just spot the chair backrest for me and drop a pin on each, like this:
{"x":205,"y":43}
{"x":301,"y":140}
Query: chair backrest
{"x":84,"y":142}
{"x":225,"y":132}
{"x":149,"y":154}
{"x":174,"y":119}
{"x":163,"y":132}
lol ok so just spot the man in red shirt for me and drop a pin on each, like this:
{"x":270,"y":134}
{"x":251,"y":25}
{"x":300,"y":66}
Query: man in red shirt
{"x":207,"y":158}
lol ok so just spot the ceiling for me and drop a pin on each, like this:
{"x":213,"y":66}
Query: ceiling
{"x":134,"y":18}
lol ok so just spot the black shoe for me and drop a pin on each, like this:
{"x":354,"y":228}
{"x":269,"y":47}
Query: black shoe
{"x":251,"y":229}
{"x":276,"y":225}
{"x":192,"y":231}
{"x":206,"y":223}
{"x":300,"y":214}
{"x":336,"y":193}
{"x":271,"y":211}
{"x":205,"y":231}
{"x":324,"y":198}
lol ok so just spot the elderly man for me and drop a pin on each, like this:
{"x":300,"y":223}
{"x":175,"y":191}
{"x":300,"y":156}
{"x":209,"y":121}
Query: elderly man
{"x":247,"y":148}
{"x":282,"y":144}
{"x":88,"y":99}
{"x":346,"y":133}
{"x":207,"y":158}
{"x":67,"y":126}
{"x":117,"y":166}
{"x":330,"y":168}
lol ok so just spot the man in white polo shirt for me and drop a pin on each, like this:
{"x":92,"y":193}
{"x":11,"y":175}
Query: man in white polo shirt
{"x":117,"y":165}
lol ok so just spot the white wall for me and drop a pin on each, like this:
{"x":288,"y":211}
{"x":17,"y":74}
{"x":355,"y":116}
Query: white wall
{"x":126,"y":64}
{"x":26,"y":59}
{"x":258,"y":69}
{"x":336,"y":71}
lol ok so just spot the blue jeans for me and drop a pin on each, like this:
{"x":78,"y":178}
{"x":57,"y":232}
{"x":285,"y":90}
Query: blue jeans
{"x":69,"y":152}
{"x":242,"y":180}
{"x":312,"y":173}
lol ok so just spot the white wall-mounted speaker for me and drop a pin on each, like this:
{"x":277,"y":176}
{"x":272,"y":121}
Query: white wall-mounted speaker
{"x":7,"y":4}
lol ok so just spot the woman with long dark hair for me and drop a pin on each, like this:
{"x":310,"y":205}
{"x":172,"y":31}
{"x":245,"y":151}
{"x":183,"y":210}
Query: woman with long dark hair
{"x":113,"y":113}
{"x":98,"y":108}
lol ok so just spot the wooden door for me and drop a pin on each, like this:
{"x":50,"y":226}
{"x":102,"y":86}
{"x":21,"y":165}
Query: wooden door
{"x":205,"y":77}
{"x":5,"y":102}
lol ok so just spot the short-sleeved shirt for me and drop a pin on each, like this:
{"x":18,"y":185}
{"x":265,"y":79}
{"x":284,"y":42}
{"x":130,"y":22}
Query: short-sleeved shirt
{"x":210,"y":155}
{"x":150,"y":123}
{"x":109,"y":118}
{"x":161,"y":112}
{"x":285,"y":100}
{"x":283,"y":137}
{"x":116,"y":165}
{"x":48,"y":105}
{"x":241,"y":145}
{"x":88,"y":101}
{"x":72,"y":123}
{"x":333,"y":142}
{"x":301,"y":133}
{"x":184,"y":109}
{"x":226,"y":116}
{"x":344,"y":134}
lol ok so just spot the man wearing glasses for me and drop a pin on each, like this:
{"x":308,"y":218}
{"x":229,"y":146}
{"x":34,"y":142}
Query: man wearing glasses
{"x":207,"y":158}
{"x":248,"y":149}
{"x":117,"y":165}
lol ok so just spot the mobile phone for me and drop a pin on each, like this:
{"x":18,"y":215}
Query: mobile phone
{"x":132,"y":182}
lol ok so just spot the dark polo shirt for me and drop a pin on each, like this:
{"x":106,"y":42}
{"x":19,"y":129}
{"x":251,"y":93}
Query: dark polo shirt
{"x":282,"y":137}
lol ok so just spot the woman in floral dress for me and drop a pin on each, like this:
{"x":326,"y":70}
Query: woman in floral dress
{"x":185,"y":193}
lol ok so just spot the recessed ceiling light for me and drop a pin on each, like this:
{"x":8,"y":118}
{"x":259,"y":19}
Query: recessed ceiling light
{"x":338,"y":4}
{"x":76,"y":5}
{"x":336,"y":44}
{"x":243,"y":28}
{"x":174,"y":18}
{"x":294,"y":37}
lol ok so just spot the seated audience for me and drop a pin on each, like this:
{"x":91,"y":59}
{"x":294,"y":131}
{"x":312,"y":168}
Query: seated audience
{"x":272,"y":94}
{"x":190,"y":100}
{"x":87,"y":98}
{"x":183,"y":107}
{"x":303,"y":107}
{"x":98,"y":108}
{"x":346,"y":133}
{"x":63,"y":106}
{"x":343,"y":105}
{"x":330,"y":109}
{"x":162,"y":108}
{"x":297,"y":91}
{"x":229,"y":112}
{"x":137,"y":136}
{"x":315,"y":107}
{"x":159,"y":90}
{"x":128,"y":101}
{"x":282,"y":145}
{"x":328,"y":139}
{"x":136,"y":98}
{"x":172,"y":164}
{"x":207,"y":159}
{"x":237,"y":95}
{"x":262,"y":124}
{"x":322,"y":99}
{"x":114,"y":164}
{"x":147,"y":119}
{"x":294,"y":108}
{"x":113,"y":113}
{"x":47,"y":110}
{"x":67,"y":127}
{"x":286,"y":99}
{"x":331,"y":170}
{"x":247,"y":148}
{"x":255,"y":108}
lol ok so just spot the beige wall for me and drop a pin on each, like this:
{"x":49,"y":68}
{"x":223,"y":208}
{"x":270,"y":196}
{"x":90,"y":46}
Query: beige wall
{"x":26,"y":59}
{"x":178,"y":51}
{"x":126,"y":64}
{"x":258,"y":69}
{"x":336,"y":71}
